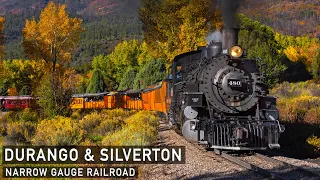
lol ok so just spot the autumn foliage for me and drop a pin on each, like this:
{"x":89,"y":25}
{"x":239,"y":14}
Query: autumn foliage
{"x":172,"y":27}
{"x":109,"y":127}
{"x":298,"y":102}
{"x":303,"y":49}
{"x":52,"y":38}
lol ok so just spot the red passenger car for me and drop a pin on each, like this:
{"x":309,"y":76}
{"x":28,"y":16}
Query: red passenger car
{"x":16,"y":102}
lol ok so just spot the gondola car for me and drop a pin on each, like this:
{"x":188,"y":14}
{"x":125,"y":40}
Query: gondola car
{"x":134,"y":99}
{"x":154,"y":98}
{"x":88,"y":101}
{"x":111,"y":100}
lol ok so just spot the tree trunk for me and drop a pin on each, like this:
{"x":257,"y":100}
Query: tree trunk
{"x":53,"y":83}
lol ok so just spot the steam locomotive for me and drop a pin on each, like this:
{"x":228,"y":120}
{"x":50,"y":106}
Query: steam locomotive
{"x":220,"y":98}
{"x":214,"y":96}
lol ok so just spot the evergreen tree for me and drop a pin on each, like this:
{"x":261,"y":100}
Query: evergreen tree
{"x":316,"y":67}
{"x":127,"y":80}
{"x":96,"y":83}
{"x":260,"y":42}
{"x":152,"y":72}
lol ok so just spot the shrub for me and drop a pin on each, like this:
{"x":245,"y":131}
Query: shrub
{"x":285,"y":90}
{"x":29,"y":115}
{"x":89,"y":122}
{"x":19,"y":132}
{"x":315,"y":142}
{"x":314,"y":90}
{"x":108,"y":126}
{"x":117,"y":113}
{"x":140,"y":129}
{"x":3,"y":125}
{"x":59,"y":131}
{"x":12,"y":116}
{"x":313,"y":116}
{"x":76,"y":114}
{"x":295,"y":109}
{"x":288,"y":90}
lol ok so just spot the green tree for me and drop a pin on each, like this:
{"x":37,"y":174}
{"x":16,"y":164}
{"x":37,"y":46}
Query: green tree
{"x":260,"y":42}
{"x":127,"y":56}
{"x":127,"y":80}
{"x":316,"y":67}
{"x":47,"y":102}
{"x":96,"y":83}
{"x":152,"y":72}
{"x":64,"y":86}
{"x":108,"y":70}
{"x":24,"y":75}
{"x":124,"y":56}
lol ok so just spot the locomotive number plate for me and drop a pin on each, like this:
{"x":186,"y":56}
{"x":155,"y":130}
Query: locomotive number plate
{"x":234,"y":83}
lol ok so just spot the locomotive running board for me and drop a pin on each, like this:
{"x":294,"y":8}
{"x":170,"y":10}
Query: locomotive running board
{"x":238,"y":148}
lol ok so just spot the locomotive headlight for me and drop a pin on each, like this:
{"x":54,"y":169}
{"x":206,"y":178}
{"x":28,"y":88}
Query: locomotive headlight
{"x":236,"y":52}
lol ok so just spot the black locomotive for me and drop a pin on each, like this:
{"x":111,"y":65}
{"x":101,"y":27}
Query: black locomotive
{"x":219,"y":98}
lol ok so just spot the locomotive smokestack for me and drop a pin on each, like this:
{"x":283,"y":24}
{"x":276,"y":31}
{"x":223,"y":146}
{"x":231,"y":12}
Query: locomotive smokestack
{"x":229,"y":38}
{"x":230,"y":24}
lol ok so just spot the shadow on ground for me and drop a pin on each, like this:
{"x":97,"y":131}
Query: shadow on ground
{"x":289,"y":174}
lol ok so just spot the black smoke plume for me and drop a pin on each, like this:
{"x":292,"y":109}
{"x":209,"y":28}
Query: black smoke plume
{"x":229,"y":9}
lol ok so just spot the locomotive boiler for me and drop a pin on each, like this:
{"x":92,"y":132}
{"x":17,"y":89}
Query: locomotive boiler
{"x":220,"y":98}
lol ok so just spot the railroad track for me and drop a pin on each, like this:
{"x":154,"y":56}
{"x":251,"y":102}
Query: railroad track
{"x":271,"y":168}
{"x":261,"y":164}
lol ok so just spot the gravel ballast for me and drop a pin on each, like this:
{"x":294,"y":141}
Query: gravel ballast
{"x":200,"y":164}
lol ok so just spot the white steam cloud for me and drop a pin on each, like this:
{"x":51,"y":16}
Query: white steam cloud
{"x":216,"y":36}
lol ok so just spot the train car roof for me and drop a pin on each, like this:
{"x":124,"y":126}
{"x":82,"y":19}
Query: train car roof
{"x":157,"y":86}
{"x":89,"y":95}
{"x":113,"y":93}
{"x":134,"y":91}
{"x":16,"y":97}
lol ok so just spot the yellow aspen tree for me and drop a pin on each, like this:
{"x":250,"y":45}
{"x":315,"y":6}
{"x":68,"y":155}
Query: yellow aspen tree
{"x":54,"y":37}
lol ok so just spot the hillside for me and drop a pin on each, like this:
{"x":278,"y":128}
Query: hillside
{"x":85,"y":8}
{"x":106,"y":23}
{"x":290,"y":17}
